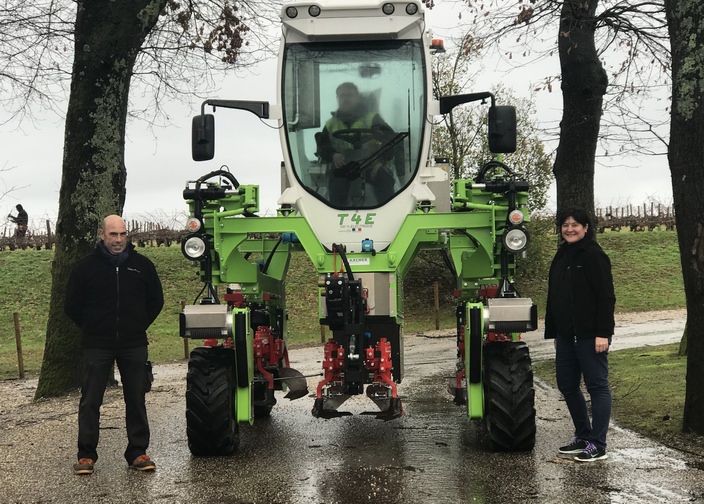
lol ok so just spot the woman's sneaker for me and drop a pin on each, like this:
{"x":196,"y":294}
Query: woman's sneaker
{"x":576,"y":446}
{"x":591,"y":453}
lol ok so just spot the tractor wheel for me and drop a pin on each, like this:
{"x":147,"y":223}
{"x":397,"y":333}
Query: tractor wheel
{"x":509,"y":396}
{"x":263,"y":400}
{"x":211,"y":424}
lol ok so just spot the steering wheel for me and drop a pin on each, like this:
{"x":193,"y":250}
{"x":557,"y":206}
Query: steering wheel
{"x":357,"y":136}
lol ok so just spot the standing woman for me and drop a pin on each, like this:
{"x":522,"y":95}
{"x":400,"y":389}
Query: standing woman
{"x":580,"y":318}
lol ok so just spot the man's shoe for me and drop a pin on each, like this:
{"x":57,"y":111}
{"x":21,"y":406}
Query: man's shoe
{"x":143,"y":463}
{"x":575,"y":446}
{"x":591,"y":453}
{"x":83,"y":466}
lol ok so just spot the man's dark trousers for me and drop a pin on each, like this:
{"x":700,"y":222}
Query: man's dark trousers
{"x":97,"y":369}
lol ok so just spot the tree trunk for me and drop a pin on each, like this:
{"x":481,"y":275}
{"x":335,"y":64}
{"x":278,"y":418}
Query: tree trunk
{"x":686,"y":155}
{"x":584,"y":84}
{"x":682,"y":349}
{"x":108,"y":36}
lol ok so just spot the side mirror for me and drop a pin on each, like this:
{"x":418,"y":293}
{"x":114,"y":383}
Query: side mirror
{"x":502,"y":129}
{"x":203,"y":137}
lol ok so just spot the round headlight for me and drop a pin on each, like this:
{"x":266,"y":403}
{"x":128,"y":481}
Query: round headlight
{"x":515,"y":240}
{"x":194,"y":247}
{"x":193,"y":224}
{"x":388,"y":9}
{"x":411,"y":9}
{"x":291,"y":12}
{"x":314,"y":10}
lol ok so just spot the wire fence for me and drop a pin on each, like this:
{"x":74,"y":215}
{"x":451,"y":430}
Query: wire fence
{"x":646,"y":217}
{"x":142,"y":234}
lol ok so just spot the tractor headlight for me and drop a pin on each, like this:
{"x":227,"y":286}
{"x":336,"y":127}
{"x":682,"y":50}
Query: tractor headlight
{"x":388,"y":9}
{"x":291,"y":12}
{"x":314,"y":10}
{"x":515,"y":239}
{"x":194,"y":247}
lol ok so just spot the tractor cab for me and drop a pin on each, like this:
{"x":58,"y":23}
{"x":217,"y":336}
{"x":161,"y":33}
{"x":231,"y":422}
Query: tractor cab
{"x":354,"y":119}
{"x":354,"y":94}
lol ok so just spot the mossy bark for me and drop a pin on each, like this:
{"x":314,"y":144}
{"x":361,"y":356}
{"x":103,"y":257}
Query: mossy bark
{"x":682,"y":349}
{"x":108,"y":37}
{"x":686,"y":156}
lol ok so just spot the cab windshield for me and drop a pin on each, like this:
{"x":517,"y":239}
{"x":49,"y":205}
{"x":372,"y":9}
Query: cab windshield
{"x":353,"y":115}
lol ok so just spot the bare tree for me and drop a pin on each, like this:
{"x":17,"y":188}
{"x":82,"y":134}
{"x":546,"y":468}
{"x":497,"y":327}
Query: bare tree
{"x":190,"y":44}
{"x":613,"y":55}
{"x":168,"y":48}
{"x":584,"y":83}
{"x":686,"y":28}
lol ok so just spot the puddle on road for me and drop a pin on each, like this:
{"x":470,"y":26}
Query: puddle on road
{"x":696,"y":464}
{"x":648,"y":458}
{"x":645,"y":493}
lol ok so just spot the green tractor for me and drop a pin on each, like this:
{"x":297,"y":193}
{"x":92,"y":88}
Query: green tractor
{"x":363,"y":195}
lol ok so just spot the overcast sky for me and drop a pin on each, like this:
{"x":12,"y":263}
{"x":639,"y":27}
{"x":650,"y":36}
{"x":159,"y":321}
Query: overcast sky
{"x":159,"y":161}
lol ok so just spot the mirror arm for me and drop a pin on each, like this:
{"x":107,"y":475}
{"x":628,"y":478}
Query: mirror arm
{"x":447,"y":103}
{"x":258,"y":108}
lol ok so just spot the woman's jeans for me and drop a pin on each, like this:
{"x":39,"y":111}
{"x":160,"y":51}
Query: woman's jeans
{"x":97,"y":369}
{"x":575,"y":359}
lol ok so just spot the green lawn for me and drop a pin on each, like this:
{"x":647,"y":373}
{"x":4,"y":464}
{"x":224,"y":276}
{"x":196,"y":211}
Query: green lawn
{"x":645,"y":266}
{"x":648,"y":384}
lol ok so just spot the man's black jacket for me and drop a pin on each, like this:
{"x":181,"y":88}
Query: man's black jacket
{"x":580,"y":292}
{"x":114,"y":305}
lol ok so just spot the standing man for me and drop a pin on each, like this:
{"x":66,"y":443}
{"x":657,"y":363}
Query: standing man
{"x":22,"y":221}
{"x":114,"y":295}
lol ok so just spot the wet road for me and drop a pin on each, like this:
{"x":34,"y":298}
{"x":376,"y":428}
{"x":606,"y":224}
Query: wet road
{"x":431,"y":455}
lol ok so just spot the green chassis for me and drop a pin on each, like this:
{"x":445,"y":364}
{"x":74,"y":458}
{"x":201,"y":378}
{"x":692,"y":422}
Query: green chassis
{"x":471,"y":233}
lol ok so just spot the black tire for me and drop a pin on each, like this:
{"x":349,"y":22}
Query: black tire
{"x":211,"y":424}
{"x":509,"y":396}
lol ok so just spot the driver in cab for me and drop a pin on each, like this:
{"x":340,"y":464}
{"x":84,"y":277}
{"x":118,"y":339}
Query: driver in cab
{"x":348,"y":144}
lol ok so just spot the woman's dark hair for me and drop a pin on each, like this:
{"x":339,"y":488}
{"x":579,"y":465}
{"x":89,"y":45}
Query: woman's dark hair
{"x":580,"y":216}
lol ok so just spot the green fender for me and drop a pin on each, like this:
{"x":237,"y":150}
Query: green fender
{"x":244,"y":372}
{"x":473,"y":344}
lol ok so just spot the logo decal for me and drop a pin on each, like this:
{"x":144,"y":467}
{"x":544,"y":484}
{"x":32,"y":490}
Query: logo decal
{"x":356,"y":222}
